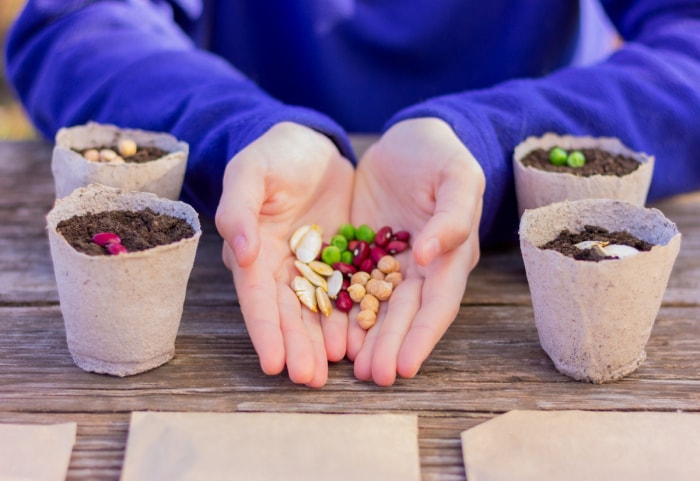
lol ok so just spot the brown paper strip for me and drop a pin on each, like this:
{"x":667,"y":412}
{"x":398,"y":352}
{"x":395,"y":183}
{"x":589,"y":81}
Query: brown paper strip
{"x":584,"y":446}
{"x":271,"y":446}
{"x":35,"y":452}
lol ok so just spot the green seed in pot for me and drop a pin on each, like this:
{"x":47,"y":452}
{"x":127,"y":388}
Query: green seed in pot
{"x":558,"y":156}
{"x":330,"y":255}
{"x":576,"y":159}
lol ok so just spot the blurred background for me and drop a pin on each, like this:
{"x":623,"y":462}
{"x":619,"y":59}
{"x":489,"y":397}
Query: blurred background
{"x":13,"y":122}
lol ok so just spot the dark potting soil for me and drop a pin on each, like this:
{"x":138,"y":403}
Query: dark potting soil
{"x":143,"y":153}
{"x":138,"y":230}
{"x":598,"y":162}
{"x":566,"y":241}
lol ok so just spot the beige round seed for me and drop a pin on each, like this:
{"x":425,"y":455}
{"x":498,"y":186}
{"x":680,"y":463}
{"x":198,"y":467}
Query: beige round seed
{"x":366,"y":319}
{"x":359,"y":277}
{"x":369,"y":302}
{"x":107,"y":155}
{"x":388,"y":264}
{"x":127,"y":147}
{"x":380,"y":289}
{"x":357,"y":292}
{"x":92,"y":155}
{"x":377,"y":274}
{"x":395,"y":278}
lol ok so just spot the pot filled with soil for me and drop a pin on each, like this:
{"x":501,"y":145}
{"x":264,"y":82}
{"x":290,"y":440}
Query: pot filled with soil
{"x":129,"y":159}
{"x":553,"y":168}
{"x":122,"y":261}
{"x":597,"y":271}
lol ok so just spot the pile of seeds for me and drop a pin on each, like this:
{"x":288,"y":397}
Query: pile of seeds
{"x":126,"y":150}
{"x":356,"y":266}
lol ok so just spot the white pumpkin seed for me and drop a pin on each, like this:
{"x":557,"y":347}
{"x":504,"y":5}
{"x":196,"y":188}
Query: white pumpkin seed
{"x":314,"y":278}
{"x":305,"y":291}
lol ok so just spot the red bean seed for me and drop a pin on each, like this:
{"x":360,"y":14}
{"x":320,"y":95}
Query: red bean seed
{"x":396,"y":246}
{"x":383,"y":236}
{"x":104,"y":238}
{"x":116,"y":249}
{"x":343,"y":302}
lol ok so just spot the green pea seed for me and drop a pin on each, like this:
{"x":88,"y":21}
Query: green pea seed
{"x":346,"y":257}
{"x":330,"y":255}
{"x":576,"y":159}
{"x":347,"y":231}
{"x":364,"y":233}
{"x":558,"y":156}
{"x":340,"y":242}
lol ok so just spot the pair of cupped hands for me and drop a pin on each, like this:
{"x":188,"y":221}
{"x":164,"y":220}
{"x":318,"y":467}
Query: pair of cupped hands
{"x":418,"y":177}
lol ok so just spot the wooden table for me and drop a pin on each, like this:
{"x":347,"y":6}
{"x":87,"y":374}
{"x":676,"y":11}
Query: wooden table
{"x":489,"y":362}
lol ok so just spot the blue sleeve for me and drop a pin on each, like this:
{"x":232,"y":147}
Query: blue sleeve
{"x":129,"y":63}
{"x":647,"y":94}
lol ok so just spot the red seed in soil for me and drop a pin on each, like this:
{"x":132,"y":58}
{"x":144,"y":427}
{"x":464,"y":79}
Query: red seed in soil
{"x":104,"y":238}
{"x":116,"y":249}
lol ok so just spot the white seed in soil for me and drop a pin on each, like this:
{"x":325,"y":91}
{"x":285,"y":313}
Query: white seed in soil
{"x":608,"y":250}
{"x":324,"y":303}
{"x":309,"y":246}
{"x":314,"y":278}
{"x":620,"y":250}
{"x":583,"y":245}
{"x":305,"y":291}
{"x":335,"y":284}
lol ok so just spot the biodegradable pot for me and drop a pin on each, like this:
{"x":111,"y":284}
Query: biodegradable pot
{"x":594,"y":318}
{"x":536,"y":187}
{"x":121,"y":312}
{"x":71,"y":170}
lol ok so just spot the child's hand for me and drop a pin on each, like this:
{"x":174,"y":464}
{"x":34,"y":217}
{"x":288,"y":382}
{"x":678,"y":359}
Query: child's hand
{"x":421,"y":178}
{"x":290,"y":176}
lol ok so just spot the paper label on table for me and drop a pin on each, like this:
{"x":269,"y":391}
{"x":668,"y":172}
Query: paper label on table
{"x":271,"y":446}
{"x":35,"y":452}
{"x":584,"y":445}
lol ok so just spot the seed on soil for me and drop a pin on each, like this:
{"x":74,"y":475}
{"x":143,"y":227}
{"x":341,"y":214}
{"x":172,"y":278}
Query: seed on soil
{"x":93,"y":155}
{"x":104,"y":238}
{"x":126,"y":147}
{"x":116,"y":249}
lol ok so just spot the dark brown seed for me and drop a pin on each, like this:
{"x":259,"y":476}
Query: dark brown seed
{"x":402,"y":235}
{"x":383,"y":236}
{"x":346,"y":269}
{"x":343,"y":302}
{"x":396,"y":246}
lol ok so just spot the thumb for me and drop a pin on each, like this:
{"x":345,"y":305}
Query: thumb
{"x":239,"y":209}
{"x":456,"y":216}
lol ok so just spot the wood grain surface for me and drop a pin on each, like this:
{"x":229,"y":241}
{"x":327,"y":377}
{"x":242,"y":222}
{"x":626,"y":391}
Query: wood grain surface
{"x":489,"y":362}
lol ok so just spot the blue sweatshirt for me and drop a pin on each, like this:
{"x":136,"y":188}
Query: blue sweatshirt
{"x":219,"y":73}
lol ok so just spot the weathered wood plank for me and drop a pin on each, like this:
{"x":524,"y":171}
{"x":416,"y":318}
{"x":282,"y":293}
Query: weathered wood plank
{"x":489,"y":362}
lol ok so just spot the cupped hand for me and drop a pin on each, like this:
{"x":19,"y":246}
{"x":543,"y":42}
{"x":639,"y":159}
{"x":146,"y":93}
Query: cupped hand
{"x":288,"y":177}
{"x":418,"y":177}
